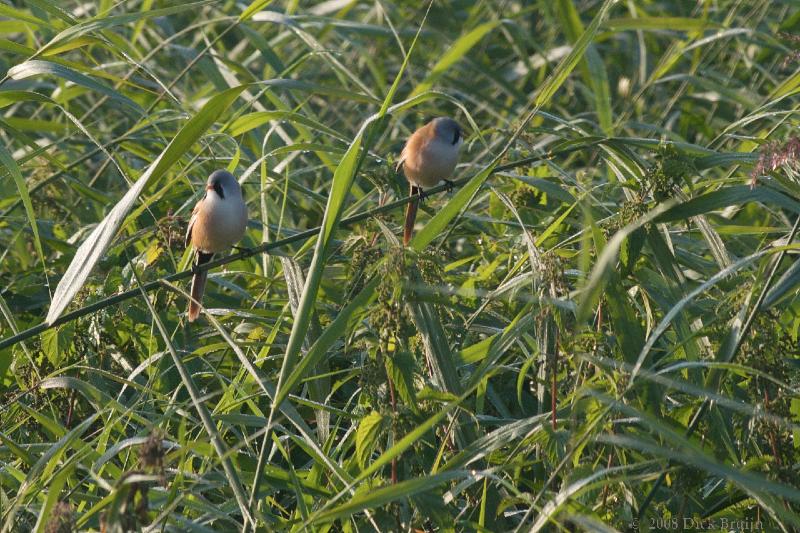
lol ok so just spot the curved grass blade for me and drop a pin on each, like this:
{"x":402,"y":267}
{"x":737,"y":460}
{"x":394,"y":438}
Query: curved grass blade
{"x":107,"y":22}
{"x":95,"y":245}
{"x":736,"y":195}
{"x":37,"y":67}
{"x":375,"y":498}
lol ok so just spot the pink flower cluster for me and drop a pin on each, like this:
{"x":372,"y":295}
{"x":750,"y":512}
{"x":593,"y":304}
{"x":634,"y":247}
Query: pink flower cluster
{"x":774,"y":156}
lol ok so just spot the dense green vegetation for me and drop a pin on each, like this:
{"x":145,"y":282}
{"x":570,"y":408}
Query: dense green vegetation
{"x":596,"y":329}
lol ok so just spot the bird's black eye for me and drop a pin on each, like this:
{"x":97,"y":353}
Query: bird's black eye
{"x":456,"y":135}
{"x":218,"y":189}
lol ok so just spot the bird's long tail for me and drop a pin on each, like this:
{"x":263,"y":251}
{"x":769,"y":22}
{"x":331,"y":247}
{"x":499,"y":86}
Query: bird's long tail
{"x":411,"y":216}
{"x":198,"y":285}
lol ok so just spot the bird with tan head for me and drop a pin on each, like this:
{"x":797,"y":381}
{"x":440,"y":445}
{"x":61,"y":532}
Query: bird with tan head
{"x":429,"y":156}
{"x":218,"y":222}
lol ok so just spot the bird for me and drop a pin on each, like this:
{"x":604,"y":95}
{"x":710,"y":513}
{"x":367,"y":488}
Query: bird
{"x":218,"y":222}
{"x":429,"y":156}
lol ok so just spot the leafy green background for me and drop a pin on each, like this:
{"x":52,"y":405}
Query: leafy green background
{"x":596,"y":329}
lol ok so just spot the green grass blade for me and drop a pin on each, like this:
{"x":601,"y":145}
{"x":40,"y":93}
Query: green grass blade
{"x":37,"y":67}
{"x":22,"y":188}
{"x":455,"y":52}
{"x":95,"y":245}
{"x":383,"y":495}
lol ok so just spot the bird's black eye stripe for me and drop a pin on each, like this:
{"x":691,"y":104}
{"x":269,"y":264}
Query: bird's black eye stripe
{"x":218,"y":190}
{"x":456,"y":135}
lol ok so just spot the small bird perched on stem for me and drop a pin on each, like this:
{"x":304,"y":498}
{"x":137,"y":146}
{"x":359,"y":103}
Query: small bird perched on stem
{"x":218,"y":222}
{"x":430,"y":156}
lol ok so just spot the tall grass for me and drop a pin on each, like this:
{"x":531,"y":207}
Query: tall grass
{"x":597,"y":330}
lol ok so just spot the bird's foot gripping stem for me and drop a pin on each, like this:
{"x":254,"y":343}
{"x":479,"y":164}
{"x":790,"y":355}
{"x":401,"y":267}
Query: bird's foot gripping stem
{"x":449,"y":185}
{"x":418,"y":191}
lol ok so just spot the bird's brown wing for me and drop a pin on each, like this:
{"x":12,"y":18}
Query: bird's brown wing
{"x":400,"y":161}
{"x":188,"y":239}
{"x":410,"y":156}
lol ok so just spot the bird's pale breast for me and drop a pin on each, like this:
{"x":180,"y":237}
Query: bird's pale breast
{"x":427,"y":163}
{"x":220,"y":224}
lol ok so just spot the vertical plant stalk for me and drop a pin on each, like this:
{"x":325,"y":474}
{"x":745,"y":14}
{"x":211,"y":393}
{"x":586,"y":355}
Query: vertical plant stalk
{"x":605,"y":487}
{"x":393,"y":401}
{"x":553,"y":385}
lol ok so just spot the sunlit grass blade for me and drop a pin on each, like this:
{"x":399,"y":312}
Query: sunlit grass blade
{"x":96,"y":243}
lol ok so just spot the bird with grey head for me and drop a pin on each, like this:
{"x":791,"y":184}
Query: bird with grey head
{"x":218,"y":222}
{"x":429,"y":156}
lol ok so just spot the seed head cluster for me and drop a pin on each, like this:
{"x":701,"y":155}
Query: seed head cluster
{"x":774,"y":156}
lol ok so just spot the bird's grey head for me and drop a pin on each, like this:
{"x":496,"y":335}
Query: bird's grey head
{"x":223,"y":183}
{"x":447,"y":129}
